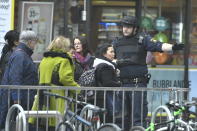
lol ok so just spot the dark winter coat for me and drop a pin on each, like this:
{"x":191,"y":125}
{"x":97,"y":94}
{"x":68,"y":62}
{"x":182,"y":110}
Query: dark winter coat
{"x":81,"y":67}
{"x":4,"y":62}
{"x":21,"y":70}
{"x":106,"y":77}
{"x":106,"y":72}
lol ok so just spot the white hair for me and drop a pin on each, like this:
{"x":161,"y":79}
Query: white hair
{"x":27,"y":35}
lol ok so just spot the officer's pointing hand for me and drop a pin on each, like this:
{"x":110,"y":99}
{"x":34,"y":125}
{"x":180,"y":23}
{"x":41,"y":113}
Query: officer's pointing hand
{"x":115,"y":61}
{"x":178,"y":47}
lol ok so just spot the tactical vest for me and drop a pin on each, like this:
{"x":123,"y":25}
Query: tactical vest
{"x":130,"y":50}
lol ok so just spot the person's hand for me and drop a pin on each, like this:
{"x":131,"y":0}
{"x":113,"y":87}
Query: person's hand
{"x":117,"y":72}
{"x":178,"y":47}
{"x":115,"y":61}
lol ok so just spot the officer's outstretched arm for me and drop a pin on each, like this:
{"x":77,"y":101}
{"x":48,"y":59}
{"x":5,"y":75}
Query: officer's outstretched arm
{"x":169,"y":47}
{"x":166,"y":47}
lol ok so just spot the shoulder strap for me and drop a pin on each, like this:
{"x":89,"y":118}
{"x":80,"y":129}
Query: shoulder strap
{"x":91,"y":61}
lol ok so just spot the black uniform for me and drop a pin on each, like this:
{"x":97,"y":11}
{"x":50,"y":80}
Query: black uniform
{"x":131,"y":59}
{"x":131,"y":51}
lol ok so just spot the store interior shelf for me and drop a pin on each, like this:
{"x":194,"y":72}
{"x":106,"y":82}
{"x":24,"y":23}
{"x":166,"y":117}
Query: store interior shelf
{"x":102,"y":37}
{"x":110,"y":20}
{"x":109,"y":30}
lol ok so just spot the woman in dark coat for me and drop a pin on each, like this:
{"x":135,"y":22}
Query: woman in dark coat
{"x":11,"y":38}
{"x":106,"y":76}
{"x":81,"y":55}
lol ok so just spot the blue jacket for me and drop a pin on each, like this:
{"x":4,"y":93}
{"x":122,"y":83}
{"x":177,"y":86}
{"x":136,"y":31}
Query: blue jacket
{"x":21,"y":70}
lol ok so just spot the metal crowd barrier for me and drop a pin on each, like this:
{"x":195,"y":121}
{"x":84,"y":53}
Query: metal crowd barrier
{"x":9,"y":115}
{"x":38,"y":114}
{"x":155,"y":97}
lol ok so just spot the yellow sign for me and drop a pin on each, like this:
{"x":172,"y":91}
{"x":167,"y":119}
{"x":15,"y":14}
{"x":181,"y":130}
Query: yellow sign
{"x":6,"y":17}
{"x":12,"y":14}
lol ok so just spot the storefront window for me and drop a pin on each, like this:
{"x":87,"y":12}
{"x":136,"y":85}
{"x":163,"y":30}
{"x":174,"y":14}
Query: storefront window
{"x":105,"y":23}
{"x":193,"y":54}
{"x":168,"y":26}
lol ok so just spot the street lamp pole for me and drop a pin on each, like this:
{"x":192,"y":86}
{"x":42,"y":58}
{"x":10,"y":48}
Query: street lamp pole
{"x":88,"y":22}
{"x":66,"y":10}
{"x":138,"y":9}
{"x":187,"y":40}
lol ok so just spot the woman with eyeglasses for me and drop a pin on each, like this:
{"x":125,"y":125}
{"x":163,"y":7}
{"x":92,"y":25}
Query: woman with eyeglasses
{"x":81,"y":55}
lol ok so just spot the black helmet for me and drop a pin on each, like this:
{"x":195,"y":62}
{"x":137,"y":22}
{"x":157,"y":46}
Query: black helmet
{"x":129,"y":20}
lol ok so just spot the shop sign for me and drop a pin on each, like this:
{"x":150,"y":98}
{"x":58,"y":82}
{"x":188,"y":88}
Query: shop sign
{"x":146,"y":23}
{"x":161,"y":24}
{"x":6,"y":17}
{"x":38,"y":16}
{"x":169,"y":78}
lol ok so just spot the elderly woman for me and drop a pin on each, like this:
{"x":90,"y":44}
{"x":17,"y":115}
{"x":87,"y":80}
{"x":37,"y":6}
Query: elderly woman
{"x":56,"y":69}
{"x":20,"y":70}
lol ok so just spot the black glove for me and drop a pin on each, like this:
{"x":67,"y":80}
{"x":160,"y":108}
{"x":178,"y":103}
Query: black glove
{"x":178,"y":47}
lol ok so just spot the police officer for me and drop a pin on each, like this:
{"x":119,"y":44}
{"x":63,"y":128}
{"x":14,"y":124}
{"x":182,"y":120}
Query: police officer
{"x":131,"y":51}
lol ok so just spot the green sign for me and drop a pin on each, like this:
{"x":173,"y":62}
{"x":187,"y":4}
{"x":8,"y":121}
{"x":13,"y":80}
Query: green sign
{"x":161,"y":24}
{"x":146,"y":23}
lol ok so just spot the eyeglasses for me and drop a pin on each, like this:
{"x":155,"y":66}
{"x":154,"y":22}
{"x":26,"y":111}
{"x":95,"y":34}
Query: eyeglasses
{"x":77,"y":43}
